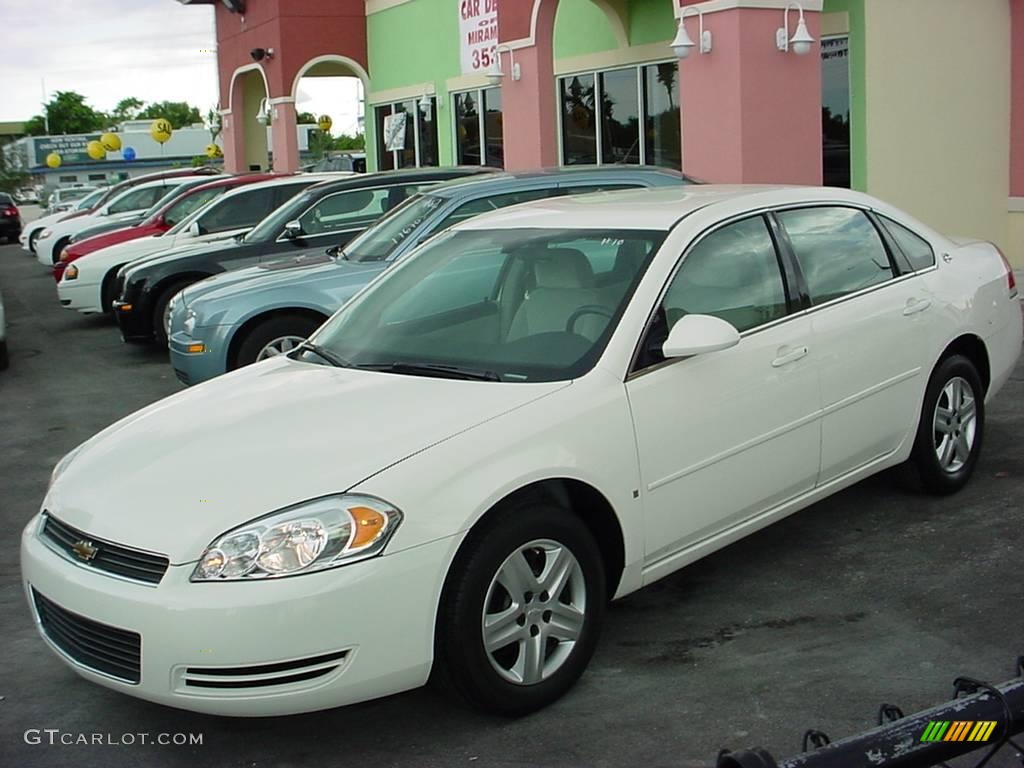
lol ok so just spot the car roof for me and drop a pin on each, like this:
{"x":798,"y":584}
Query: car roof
{"x":356,"y":180}
{"x":278,"y":181}
{"x":506,"y":179}
{"x":657,"y":209}
{"x":241,"y":178}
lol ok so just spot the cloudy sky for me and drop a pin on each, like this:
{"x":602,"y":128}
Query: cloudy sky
{"x":155,"y":50}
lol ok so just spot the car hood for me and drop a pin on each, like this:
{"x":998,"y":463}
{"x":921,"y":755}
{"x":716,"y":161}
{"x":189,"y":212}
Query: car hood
{"x":183,"y":252}
{"x":173,"y":476}
{"x":295,"y":274}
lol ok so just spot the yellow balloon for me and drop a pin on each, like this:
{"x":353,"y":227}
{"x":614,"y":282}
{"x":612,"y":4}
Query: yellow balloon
{"x":324,"y":123}
{"x":95,"y":150}
{"x":213,"y":150}
{"x":53,"y":160}
{"x":160,"y":130}
{"x":111,"y":142}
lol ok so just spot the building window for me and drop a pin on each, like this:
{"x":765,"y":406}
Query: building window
{"x":638,"y":119}
{"x":419,"y":147}
{"x":478,"y":123}
{"x":97,"y":177}
{"x":835,"y":111}
{"x":68,"y":179}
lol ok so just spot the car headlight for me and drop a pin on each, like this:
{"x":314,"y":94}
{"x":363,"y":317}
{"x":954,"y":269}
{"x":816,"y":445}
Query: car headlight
{"x":309,"y":537}
{"x":190,"y":322}
{"x":62,"y":465}
{"x":71,"y":272}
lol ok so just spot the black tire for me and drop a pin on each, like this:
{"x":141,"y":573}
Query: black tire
{"x":32,"y":241}
{"x":462,"y":663}
{"x":935,"y":477}
{"x":58,"y":248}
{"x":275,"y":327}
{"x":4,"y":358}
{"x":160,"y":306}
{"x":107,"y":296}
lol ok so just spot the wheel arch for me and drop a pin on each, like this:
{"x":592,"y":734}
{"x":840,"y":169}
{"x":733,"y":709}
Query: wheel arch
{"x":973,"y":348}
{"x":238,"y":336}
{"x":576,"y":497}
{"x":106,"y":284}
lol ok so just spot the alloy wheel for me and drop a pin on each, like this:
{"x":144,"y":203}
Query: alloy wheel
{"x":955,"y":424}
{"x":534,"y":612}
{"x":279,"y":346}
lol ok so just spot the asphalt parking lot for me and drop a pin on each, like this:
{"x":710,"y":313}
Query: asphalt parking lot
{"x":874,"y":595}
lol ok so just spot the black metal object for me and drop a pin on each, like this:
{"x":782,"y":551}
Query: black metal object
{"x":896,"y":742}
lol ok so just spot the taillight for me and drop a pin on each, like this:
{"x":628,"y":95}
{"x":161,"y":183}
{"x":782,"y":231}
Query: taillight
{"x":11,"y":211}
{"x":1011,"y":280}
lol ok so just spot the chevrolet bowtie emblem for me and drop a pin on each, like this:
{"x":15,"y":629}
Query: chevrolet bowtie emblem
{"x":85,"y":550}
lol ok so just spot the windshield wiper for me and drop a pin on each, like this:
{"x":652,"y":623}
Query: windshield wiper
{"x":336,"y":360}
{"x":433,"y":369}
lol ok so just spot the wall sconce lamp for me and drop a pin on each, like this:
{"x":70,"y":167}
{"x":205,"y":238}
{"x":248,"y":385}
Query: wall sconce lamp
{"x":495,"y":73}
{"x":425,"y":105}
{"x":801,"y":41}
{"x":682,"y":44}
{"x":263,"y":116}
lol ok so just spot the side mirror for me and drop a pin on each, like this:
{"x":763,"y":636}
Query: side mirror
{"x":292,"y":230}
{"x":698,"y":335}
{"x":194,"y":229}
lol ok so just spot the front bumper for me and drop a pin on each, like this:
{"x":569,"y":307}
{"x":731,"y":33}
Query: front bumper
{"x":378,"y":613}
{"x":134,"y":320}
{"x":79,"y":295}
{"x":44,"y":251}
{"x":194,"y":367}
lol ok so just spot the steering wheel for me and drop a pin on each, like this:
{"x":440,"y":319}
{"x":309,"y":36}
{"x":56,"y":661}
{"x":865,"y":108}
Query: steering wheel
{"x":587,"y":309}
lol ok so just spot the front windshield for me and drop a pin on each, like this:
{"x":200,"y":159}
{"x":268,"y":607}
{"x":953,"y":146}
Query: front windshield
{"x":163,"y":200}
{"x":382,"y":239}
{"x":195,"y":201}
{"x":90,"y":200}
{"x":272,"y":224}
{"x":508,"y":305}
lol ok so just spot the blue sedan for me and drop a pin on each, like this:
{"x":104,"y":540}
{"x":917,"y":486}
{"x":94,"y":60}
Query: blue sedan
{"x":234,"y":319}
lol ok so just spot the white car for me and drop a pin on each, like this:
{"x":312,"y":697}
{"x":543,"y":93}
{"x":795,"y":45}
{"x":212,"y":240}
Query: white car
{"x":32,"y":229}
{"x":62,"y":198}
{"x":53,"y":239}
{"x":87,"y":284}
{"x":542,"y":408}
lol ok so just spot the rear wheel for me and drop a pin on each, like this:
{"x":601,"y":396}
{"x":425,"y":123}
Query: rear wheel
{"x":162,"y":310}
{"x":274,"y":336}
{"x":521,"y":610}
{"x":952,"y":427}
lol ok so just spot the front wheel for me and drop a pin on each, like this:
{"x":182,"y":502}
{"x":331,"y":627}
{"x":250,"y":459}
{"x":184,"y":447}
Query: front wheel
{"x":162,"y":311}
{"x":952,"y":426}
{"x":275,"y":336}
{"x":521,"y":610}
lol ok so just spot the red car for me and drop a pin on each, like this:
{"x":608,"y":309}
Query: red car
{"x":161,"y":221}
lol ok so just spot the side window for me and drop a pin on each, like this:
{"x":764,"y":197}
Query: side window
{"x":734,"y":274}
{"x":193,"y":202}
{"x":484,"y":204}
{"x":140,"y":198}
{"x":238,"y":212}
{"x":351,"y":209}
{"x":286,"y":192}
{"x":839,"y":250}
{"x":916,"y":249}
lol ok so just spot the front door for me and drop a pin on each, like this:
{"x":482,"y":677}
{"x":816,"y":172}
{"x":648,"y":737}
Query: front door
{"x":725,"y":436}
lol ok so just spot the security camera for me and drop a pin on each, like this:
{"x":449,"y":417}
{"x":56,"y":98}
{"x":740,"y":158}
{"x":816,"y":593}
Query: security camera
{"x":259,"y":54}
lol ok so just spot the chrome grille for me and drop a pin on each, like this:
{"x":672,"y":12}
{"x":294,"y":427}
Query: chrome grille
{"x":115,"y":652}
{"x":263,"y":675}
{"x":113,"y":558}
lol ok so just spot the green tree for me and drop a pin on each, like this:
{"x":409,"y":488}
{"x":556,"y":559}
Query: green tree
{"x":179,"y":113}
{"x":355,"y":142}
{"x":306,"y":117}
{"x":12,"y":175}
{"x":67,"y":112}
{"x":126,"y":109}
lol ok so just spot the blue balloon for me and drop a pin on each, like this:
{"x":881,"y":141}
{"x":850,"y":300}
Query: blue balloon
{"x":128,"y":153}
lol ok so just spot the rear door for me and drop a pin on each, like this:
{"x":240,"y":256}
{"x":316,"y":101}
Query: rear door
{"x":870,"y":328}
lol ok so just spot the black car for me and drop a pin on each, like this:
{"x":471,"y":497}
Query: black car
{"x":10,"y":218}
{"x":325,"y":215}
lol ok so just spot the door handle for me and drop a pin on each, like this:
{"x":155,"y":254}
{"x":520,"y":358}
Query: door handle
{"x":913,"y":306}
{"x":787,"y":356}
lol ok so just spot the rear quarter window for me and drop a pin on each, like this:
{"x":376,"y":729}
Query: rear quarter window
{"x":917,"y":251}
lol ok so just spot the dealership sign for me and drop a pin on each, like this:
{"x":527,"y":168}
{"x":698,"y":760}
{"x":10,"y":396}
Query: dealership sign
{"x":72,"y":149}
{"x":478,"y":34}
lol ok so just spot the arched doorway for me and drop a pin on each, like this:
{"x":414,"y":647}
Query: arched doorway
{"x":245,"y":137}
{"x":335,"y":86}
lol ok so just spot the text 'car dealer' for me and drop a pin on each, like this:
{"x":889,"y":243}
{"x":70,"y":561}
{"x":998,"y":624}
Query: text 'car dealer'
{"x":539,"y":409}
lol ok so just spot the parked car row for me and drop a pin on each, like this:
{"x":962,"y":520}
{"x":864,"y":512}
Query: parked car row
{"x":528,"y":403}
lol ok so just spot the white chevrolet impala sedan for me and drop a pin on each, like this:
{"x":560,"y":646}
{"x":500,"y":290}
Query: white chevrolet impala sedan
{"x":546,"y":407}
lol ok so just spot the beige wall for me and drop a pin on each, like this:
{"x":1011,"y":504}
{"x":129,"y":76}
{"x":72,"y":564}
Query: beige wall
{"x":1015,"y":242}
{"x":938,"y":112}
